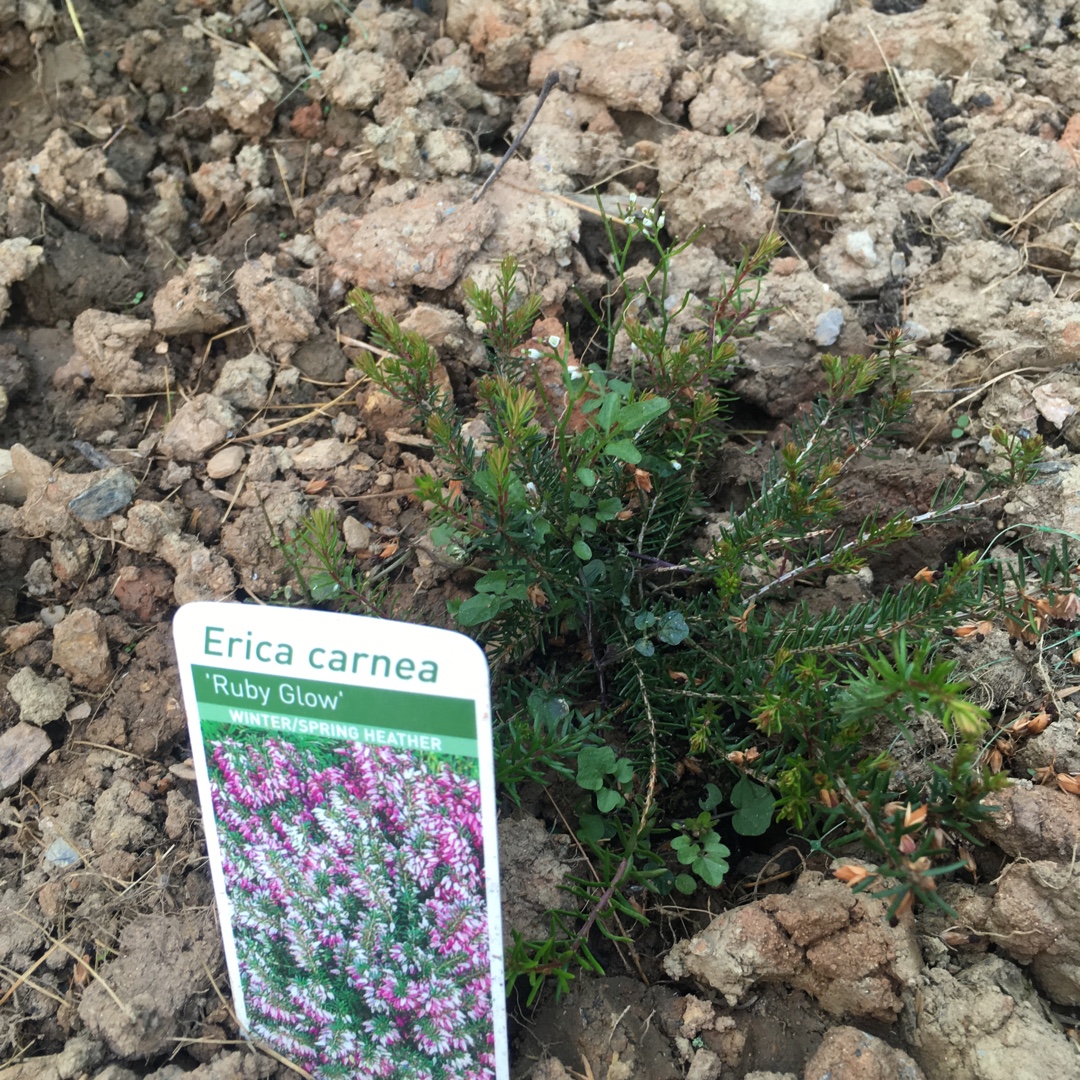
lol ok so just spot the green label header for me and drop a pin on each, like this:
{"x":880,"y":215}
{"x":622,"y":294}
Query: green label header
{"x":271,"y":698}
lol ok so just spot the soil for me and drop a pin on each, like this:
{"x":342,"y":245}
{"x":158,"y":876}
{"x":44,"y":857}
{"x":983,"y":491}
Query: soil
{"x":188,"y":193}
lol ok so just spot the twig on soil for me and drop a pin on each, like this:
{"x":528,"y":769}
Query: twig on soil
{"x":236,"y":493}
{"x":251,"y":46}
{"x":550,"y":82}
{"x":356,"y":343}
{"x":930,"y":516}
{"x":24,"y":979}
{"x":976,"y":392}
{"x":318,"y":409}
{"x":279,"y":162}
{"x":25,"y":976}
{"x":125,"y":1009}
{"x":1015,"y":225}
{"x":900,"y":90}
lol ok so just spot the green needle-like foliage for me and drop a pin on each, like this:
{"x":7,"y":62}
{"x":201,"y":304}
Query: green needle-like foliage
{"x":620,"y":649}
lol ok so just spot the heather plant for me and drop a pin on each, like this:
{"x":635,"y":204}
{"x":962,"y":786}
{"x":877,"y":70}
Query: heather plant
{"x":356,"y":879}
{"x":635,"y":660}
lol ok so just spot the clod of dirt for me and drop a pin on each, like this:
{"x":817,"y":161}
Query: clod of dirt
{"x":320,"y":359}
{"x":532,"y":868}
{"x":969,"y":291}
{"x":243,"y":381}
{"x":281,"y":312}
{"x":81,"y":649}
{"x":21,"y":748}
{"x":730,"y":100}
{"x":19,"y":258}
{"x":252,"y":539}
{"x":718,"y":183}
{"x":143,"y":592}
{"x":40,"y":701}
{"x":225,"y":1065}
{"x":80,"y":185}
{"x":540,"y":232}
{"x":424,"y":241}
{"x":145,"y":1012}
{"x":611,"y":1033}
{"x":201,"y":574}
{"x":108,"y":344}
{"x":80,"y":1054}
{"x":198,"y":425}
{"x":775,"y":26}
{"x":220,"y":186}
{"x":116,"y":825}
{"x":1034,"y":822}
{"x":628,"y":65}
{"x":782,"y":361}
{"x":356,"y":80}
{"x":245,"y":93}
{"x":574,"y":135}
{"x":446,"y":329}
{"x":1056,"y":746}
{"x":193,"y":303}
{"x":15,"y":637}
{"x":45,"y":511}
{"x":986,"y":1024}
{"x":1036,"y":920}
{"x":1038,"y":168}
{"x":505,"y":33}
{"x":955,"y":43}
{"x":820,"y":938}
{"x":846,"y":1053}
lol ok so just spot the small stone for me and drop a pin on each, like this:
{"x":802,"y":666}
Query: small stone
{"x":40,"y":701}
{"x":81,"y":649}
{"x":114,"y":490}
{"x":243,"y":381}
{"x":50,"y":616}
{"x":225,"y":462}
{"x":61,"y":855}
{"x":860,"y":247}
{"x":828,"y":326}
{"x":21,"y":748}
{"x":322,"y":456}
{"x":200,"y":424}
{"x":357,"y":534}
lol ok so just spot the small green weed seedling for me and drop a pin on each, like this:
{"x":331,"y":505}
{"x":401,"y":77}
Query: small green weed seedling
{"x":622,"y":646}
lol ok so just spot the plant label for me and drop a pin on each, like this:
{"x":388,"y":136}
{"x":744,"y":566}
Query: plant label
{"x":347,"y":782}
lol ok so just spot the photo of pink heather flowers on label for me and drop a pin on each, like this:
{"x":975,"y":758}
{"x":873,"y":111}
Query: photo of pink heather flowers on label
{"x":355,"y":875}
{"x":346,"y":777}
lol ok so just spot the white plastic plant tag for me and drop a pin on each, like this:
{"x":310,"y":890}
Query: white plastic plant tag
{"x":347,"y":783}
